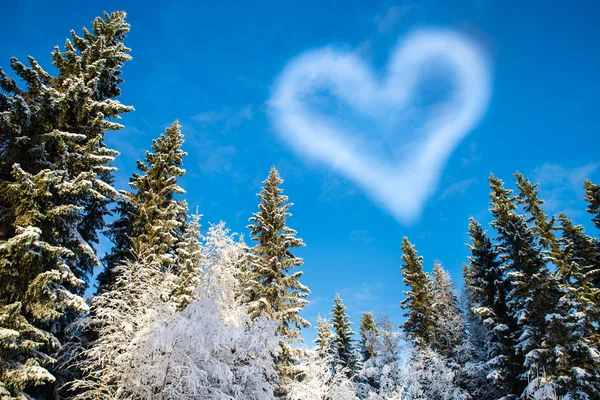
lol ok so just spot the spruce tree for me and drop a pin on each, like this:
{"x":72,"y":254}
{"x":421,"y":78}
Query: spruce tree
{"x":55,"y":183}
{"x":592,"y":196}
{"x":533,"y":291}
{"x":368,"y":332}
{"x":419,"y":326}
{"x":487,"y":289}
{"x":150,"y":216}
{"x":345,"y":357}
{"x":574,"y":329}
{"x":276,"y":289}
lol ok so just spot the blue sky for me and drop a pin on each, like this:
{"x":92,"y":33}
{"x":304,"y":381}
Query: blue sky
{"x":215,"y":67}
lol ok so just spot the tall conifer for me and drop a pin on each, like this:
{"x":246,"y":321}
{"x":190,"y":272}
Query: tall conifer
{"x":419,"y":326}
{"x":55,"y":184}
{"x":276,"y":289}
{"x":345,"y":357}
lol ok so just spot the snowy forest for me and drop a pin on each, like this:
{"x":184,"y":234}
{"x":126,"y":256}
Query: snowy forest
{"x":184,"y":313}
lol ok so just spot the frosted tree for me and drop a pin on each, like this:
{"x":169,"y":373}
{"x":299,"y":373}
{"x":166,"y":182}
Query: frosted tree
{"x":325,"y":337}
{"x":382,"y":370}
{"x":592,"y":196}
{"x":345,"y":356}
{"x":419,"y":325}
{"x":212,"y":349}
{"x":276,"y":289}
{"x":427,"y":376}
{"x":449,"y":324}
{"x":121,"y":319}
{"x":55,"y":182}
{"x":320,"y":382}
{"x":189,"y":258}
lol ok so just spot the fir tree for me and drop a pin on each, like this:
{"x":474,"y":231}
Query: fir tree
{"x":368,"y":332}
{"x":151,"y":216}
{"x":55,"y":178}
{"x":159,"y":213}
{"x":419,"y":325}
{"x":345,"y":350}
{"x":276,"y":291}
{"x":487,"y":289}
{"x":533,"y":290}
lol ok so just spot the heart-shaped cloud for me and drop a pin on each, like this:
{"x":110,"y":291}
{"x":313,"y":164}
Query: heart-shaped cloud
{"x":402,"y":184}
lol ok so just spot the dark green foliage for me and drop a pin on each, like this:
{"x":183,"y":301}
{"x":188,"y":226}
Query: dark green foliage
{"x":419,"y":325}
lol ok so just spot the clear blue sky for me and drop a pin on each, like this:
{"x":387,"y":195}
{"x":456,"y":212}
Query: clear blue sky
{"x":213,"y":67}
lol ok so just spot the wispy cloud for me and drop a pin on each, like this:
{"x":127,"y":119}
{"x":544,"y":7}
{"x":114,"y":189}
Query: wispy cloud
{"x":361,"y":295}
{"x":458,"y":188}
{"x":389,"y":18}
{"x":561,"y":187}
{"x":361,"y":236}
{"x":402,"y":181}
{"x":228,"y":117}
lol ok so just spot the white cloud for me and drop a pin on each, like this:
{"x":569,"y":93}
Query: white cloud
{"x":403,"y":184}
{"x":458,"y":188}
{"x":362,"y":236}
{"x":226,"y":115}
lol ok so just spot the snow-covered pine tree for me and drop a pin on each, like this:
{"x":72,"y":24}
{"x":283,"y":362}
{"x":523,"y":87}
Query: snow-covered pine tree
{"x":449,"y":324}
{"x":419,"y":325}
{"x":368,"y":333}
{"x":592,"y":196}
{"x":160,"y":215}
{"x":533,"y":290}
{"x":55,"y":178}
{"x":277,"y":291}
{"x":574,"y":329}
{"x":324,"y":341}
{"x":189,"y":258}
{"x":345,"y":357}
{"x":150,"y":216}
{"x":487,"y":290}
{"x":567,"y":330}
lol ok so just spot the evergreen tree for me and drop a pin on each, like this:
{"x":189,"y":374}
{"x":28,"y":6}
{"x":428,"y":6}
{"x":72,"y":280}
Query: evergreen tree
{"x":592,"y":196}
{"x":368,"y":332}
{"x":574,"y":328}
{"x":151,"y":216}
{"x":277,"y":292}
{"x":160,"y":217}
{"x":345,"y":350}
{"x":55,"y":183}
{"x":487,"y":289}
{"x":533,"y":290}
{"x":419,"y":325}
